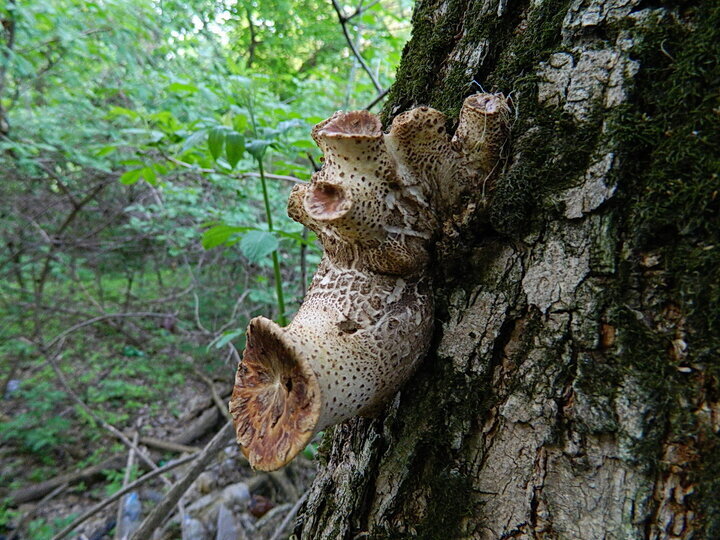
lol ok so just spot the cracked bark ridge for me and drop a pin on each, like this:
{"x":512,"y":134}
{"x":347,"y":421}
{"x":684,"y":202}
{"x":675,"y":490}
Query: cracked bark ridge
{"x":377,"y":204}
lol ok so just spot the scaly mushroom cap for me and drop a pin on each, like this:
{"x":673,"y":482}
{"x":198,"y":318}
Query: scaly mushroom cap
{"x":276,"y":400}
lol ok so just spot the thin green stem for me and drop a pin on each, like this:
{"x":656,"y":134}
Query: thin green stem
{"x":276,"y":261}
{"x":268,"y":215}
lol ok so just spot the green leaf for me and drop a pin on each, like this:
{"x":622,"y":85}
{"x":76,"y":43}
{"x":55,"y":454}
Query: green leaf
{"x":227,"y":337}
{"x":256,"y":245}
{"x":131,"y":176}
{"x":105,"y":150}
{"x":192,"y":140}
{"x":234,"y":148}
{"x":122,"y":111}
{"x":148,"y":173}
{"x":216,"y":139}
{"x":182,"y":87}
{"x":257,"y":147}
{"x":220,"y":234}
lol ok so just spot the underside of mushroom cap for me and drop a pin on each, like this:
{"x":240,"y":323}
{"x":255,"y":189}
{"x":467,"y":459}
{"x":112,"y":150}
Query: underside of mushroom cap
{"x":327,"y":202}
{"x":275,"y":403}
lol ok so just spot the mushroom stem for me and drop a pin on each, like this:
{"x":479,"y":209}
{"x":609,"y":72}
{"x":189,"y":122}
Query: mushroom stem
{"x":354,"y":341}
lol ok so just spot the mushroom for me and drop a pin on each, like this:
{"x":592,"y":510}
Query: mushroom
{"x":367,"y":319}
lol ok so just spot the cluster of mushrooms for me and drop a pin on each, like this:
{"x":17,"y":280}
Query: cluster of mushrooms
{"x":377,"y":206}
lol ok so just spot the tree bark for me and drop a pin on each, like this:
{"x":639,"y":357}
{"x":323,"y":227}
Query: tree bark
{"x":572,"y":387}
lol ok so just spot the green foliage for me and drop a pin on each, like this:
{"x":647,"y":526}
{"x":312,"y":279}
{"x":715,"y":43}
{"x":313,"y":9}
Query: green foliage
{"x":39,"y":427}
{"x":145,"y":147}
{"x":115,"y":479}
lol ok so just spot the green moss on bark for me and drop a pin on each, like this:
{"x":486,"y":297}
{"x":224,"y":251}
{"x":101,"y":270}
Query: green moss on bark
{"x":669,"y":136}
{"x":426,"y":76}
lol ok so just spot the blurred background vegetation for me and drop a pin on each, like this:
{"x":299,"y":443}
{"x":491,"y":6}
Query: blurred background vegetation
{"x":147,"y":149}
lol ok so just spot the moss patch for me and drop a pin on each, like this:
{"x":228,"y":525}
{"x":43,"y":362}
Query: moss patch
{"x":425,"y":78}
{"x":669,"y":137}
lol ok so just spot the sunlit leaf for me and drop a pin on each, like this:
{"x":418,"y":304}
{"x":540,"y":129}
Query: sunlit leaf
{"x":122,"y":111}
{"x":131,"y":176}
{"x":226,"y":338}
{"x":220,"y":234}
{"x":182,"y":87}
{"x":256,"y":245}
{"x":106,"y":150}
{"x":148,"y":173}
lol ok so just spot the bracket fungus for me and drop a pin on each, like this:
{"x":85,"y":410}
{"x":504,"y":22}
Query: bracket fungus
{"x":377,"y":206}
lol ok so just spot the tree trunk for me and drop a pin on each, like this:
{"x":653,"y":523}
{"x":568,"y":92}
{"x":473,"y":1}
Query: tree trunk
{"x":572,"y":386}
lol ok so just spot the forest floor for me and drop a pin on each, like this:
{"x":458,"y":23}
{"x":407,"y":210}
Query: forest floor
{"x":53,"y":470}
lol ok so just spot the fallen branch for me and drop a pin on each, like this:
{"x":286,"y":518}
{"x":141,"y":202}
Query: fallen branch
{"x":160,"y":512}
{"x":107,"y":502}
{"x":168,"y":445}
{"x":126,"y":479}
{"x":30,"y":493}
{"x":31,"y":514}
{"x":109,"y":427}
{"x":194,"y":431}
{"x":222,"y":407}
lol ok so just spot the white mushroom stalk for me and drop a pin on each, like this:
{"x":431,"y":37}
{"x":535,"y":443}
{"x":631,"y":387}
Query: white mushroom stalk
{"x":367,"y":319}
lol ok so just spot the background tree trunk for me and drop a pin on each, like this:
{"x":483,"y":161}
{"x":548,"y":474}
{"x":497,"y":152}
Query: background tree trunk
{"x":572,"y":388}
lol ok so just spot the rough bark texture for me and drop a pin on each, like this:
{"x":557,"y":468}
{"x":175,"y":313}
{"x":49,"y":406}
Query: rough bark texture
{"x":572,"y":387}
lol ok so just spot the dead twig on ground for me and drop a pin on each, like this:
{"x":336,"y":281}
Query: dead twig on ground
{"x":126,"y":478}
{"x":107,"y":426}
{"x":28,"y":517}
{"x":168,"y":445}
{"x":160,"y":512}
{"x":107,"y":502}
{"x":222,"y":407}
{"x":193,"y":431}
{"x":290,"y":515}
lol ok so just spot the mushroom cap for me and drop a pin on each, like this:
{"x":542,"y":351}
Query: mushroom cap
{"x":349,"y":125}
{"x":275,"y":403}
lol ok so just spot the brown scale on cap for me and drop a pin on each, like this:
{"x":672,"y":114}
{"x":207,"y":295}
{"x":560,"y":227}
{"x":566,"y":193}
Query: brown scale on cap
{"x":376,"y":206}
